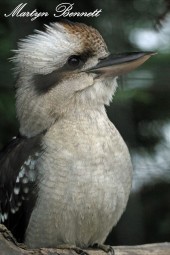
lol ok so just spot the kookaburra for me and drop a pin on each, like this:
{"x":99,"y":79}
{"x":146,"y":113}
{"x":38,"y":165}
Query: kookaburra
{"x":66,"y":178}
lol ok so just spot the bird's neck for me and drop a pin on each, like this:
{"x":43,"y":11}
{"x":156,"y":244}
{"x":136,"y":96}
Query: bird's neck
{"x":85,"y":112}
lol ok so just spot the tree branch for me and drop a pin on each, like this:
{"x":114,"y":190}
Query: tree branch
{"x":9,"y":246}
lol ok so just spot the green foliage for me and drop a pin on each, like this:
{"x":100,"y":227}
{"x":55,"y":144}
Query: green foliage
{"x":8,"y":123}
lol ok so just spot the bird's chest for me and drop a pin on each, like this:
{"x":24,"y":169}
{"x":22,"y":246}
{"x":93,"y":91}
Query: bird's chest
{"x":85,"y":179}
{"x":83,"y":164}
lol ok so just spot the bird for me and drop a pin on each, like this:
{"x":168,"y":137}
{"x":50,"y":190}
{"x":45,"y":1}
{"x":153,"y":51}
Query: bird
{"x":66,"y":178}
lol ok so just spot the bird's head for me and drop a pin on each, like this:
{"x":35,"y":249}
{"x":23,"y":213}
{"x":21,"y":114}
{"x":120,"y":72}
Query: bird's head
{"x":65,"y":69}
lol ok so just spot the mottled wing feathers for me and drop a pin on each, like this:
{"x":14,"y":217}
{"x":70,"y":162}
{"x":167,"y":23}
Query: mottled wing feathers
{"x":18,"y":189}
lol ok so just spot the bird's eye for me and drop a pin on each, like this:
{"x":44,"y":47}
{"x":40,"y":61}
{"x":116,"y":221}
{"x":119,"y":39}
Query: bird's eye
{"x":74,"y":61}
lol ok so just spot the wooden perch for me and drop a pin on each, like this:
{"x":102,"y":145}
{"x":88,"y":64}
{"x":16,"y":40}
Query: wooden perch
{"x":9,"y":246}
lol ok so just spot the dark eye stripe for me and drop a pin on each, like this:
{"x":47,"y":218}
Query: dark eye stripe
{"x":43,"y":83}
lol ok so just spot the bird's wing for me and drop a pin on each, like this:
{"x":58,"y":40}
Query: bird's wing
{"x":18,"y":189}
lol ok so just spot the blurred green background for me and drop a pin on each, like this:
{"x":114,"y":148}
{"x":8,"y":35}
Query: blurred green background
{"x":140,"y":108}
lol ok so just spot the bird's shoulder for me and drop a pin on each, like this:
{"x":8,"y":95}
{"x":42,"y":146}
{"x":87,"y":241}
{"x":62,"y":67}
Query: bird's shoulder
{"x":18,"y":177}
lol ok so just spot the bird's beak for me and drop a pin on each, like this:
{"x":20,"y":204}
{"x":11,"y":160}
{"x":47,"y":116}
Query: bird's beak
{"x":115,"y":65}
